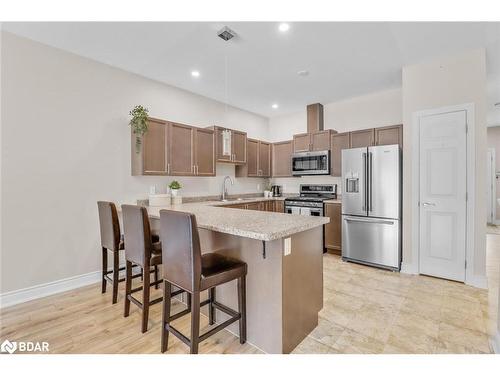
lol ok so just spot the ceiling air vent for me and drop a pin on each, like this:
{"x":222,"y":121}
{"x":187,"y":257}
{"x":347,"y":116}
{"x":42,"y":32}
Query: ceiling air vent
{"x":226,"y":33}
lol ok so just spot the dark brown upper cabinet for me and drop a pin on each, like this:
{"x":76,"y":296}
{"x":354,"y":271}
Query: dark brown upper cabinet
{"x":282,"y":159}
{"x":340,"y":142}
{"x":362,"y":138}
{"x":152,"y":157}
{"x":389,"y":135}
{"x":204,"y":152}
{"x":174,"y":149}
{"x":181,"y":150}
{"x":317,"y":141}
{"x":258,"y":160}
{"x":230,"y":145}
{"x":264,"y":159}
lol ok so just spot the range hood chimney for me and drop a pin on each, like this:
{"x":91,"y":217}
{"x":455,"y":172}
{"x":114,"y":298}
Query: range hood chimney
{"x":314,"y":117}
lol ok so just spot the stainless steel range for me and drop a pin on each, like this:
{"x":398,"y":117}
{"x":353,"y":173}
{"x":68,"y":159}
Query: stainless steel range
{"x":310,"y":200}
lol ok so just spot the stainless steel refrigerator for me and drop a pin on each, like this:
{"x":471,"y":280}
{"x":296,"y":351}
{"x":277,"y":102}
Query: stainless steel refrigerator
{"x":371,"y":206}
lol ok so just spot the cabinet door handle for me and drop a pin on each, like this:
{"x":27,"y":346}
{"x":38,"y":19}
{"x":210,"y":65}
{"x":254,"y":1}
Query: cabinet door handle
{"x":197,"y":169}
{"x":168,"y":168}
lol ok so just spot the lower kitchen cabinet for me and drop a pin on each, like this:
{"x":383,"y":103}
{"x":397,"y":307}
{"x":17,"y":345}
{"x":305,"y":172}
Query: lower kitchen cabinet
{"x":333,"y":230}
{"x":279,"y":206}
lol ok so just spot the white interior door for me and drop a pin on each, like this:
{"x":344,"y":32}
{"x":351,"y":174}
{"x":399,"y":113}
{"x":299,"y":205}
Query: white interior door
{"x":442,"y":203}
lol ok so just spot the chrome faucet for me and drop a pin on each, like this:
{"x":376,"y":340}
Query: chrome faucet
{"x":224,"y":189}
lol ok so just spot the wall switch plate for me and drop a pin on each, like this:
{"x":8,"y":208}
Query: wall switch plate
{"x":287,"y":244}
{"x":152,"y":189}
{"x":258,"y":186}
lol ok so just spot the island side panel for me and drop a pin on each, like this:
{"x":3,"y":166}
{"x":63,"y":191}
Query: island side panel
{"x":264,"y":287}
{"x":302,"y":286}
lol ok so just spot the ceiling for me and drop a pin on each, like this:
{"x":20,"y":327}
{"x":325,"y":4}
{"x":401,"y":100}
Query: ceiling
{"x":344,"y":59}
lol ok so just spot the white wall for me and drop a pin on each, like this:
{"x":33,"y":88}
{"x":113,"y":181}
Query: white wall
{"x":363,"y":112}
{"x":439,"y":83}
{"x":66,"y":144}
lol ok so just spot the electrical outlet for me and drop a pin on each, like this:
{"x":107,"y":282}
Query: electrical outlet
{"x":152,"y":189}
{"x":287,"y":244}
{"x":258,"y":186}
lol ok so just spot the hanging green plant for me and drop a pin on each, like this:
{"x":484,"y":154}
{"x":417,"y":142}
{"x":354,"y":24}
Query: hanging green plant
{"x":139,"y":124}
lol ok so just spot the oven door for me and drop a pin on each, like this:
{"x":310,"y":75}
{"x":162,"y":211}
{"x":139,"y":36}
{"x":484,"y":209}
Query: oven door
{"x":311,"y":163}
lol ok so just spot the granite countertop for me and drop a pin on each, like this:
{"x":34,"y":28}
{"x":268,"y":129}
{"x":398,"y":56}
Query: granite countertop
{"x":259,"y":225}
{"x":338,"y":200}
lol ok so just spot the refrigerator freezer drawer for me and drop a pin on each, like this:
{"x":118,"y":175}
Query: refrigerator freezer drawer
{"x":372,"y":241}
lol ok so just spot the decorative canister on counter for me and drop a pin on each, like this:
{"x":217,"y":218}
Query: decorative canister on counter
{"x":158,"y":200}
{"x":176,"y":199}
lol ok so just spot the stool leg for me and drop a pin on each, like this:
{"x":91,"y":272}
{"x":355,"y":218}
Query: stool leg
{"x":145,"y":299}
{"x":156,"y":277}
{"x":195,"y":321}
{"x":116,"y":266}
{"x":211,"y":307}
{"x":128,"y":287}
{"x":242,"y":308}
{"x":165,"y":319}
{"x":104,"y":268}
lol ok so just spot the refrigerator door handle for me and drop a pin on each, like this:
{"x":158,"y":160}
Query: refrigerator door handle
{"x":364,"y":206}
{"x":370,"y":221}
{"x":370,"y":181}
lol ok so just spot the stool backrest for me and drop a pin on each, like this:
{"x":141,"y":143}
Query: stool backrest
{"x":137,"y":234}
{"x":109,"y":225}
{"x":181,"y":251}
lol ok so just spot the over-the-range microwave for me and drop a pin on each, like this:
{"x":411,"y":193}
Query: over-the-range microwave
{"x":311,"y":163}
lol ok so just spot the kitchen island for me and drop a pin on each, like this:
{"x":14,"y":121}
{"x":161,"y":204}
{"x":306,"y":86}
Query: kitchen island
{"x":284,"y":254}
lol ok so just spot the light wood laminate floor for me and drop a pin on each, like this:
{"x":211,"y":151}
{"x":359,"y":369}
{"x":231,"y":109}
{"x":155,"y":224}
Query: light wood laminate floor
{"x":366,"y":310}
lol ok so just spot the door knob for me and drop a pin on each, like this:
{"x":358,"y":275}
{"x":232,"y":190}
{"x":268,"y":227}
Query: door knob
{"x":426,"y":204}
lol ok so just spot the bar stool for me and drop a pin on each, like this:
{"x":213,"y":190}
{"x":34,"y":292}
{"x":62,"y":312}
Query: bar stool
{"x":186,"y":268}
{"x":140,"y":250}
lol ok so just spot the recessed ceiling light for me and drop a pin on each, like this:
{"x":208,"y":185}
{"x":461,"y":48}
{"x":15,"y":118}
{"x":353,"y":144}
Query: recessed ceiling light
{"x":283,"y":27}
{"x":303,"y":73}
{"x":274,"y":106}
{"x":195,"y":73}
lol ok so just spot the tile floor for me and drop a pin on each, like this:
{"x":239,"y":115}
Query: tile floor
{"x":366,"y":310}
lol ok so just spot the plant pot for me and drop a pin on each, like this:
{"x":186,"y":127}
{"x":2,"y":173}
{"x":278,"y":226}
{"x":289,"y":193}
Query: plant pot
{"x":174,"y":192}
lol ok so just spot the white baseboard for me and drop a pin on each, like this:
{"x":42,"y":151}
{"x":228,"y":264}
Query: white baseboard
{"x":495,"y":343}
{"x":47,"y":289}
{"x":478,"y":281}
{"x":409,"y":268}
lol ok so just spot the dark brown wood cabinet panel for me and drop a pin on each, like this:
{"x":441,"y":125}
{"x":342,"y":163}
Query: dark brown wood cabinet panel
{"x":252,"y":158}
{"x":239,"y":146}
{"x":333,"y":230}
{"x":264,"y":159}
{"x":238,"y":139}
{"x":282,"y":159}
{"x":389,"y":135}
{"x":181,"y":155}
{"x":219,"y":155}
{"x":340,"y":142}
{"x":279,"y":206}
{"x":204,"y":146}
{"x":152,"y":158}
{"x":362,"y":138}
{"x":254,"y":206}
{"x":320,"y":141}
{"x":301,"y":142}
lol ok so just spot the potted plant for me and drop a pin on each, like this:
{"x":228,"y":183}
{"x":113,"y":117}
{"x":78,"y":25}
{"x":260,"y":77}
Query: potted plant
{"x":139,"y":124}
{"x":174,"y":187}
